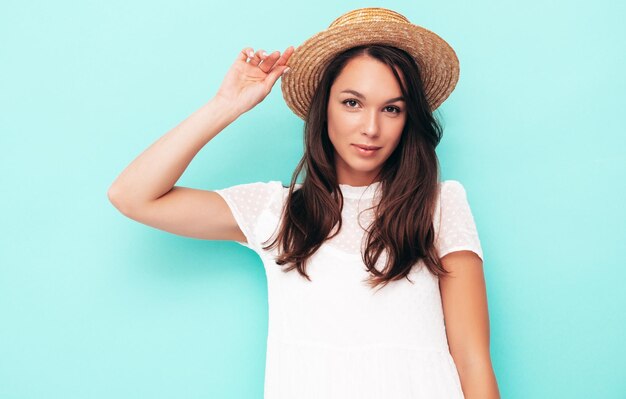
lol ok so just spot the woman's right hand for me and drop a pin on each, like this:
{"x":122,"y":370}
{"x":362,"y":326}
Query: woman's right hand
{"x":247,"y":83}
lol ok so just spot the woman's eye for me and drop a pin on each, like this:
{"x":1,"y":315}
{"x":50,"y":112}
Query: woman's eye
{"x":349,"y":101}
{"x":392,"y":109}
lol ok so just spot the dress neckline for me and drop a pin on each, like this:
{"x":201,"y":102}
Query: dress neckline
{"x":357,"y":192}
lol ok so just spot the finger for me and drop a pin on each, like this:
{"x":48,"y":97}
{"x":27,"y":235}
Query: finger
{"x":246,"y":53}
{"x":254,"y":61}
{"x":268,"y":62}
{"x":273,"y":76}
{"x":260,"y":54}
{"x":285,"y":56}
{"x":257,"y":57}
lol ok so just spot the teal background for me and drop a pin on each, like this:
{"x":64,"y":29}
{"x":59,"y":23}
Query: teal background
{"x":96,"y":305}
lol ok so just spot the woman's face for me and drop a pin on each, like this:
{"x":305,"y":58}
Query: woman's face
{"x":364,"y":109}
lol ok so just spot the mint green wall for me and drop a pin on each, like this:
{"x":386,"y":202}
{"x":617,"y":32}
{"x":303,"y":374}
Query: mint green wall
{"x":95,"y":305}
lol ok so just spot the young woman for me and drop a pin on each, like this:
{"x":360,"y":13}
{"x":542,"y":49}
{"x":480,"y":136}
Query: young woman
{"x":374,"y":266}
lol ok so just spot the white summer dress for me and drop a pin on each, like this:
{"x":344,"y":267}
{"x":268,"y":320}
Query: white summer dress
{"x":336,"y":338}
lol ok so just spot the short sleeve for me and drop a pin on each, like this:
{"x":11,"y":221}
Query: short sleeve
{"x":251,"y":204}
{"x":455,"y":229}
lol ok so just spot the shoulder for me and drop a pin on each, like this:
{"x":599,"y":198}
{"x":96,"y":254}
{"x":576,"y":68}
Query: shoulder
{"x":451,"y":185}
{"x":451,"y":198}
{"x":451,"y":189}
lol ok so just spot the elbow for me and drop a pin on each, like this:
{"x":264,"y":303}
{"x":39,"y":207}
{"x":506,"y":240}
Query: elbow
{"x":476,"y":362}
{"x":116,"y":198}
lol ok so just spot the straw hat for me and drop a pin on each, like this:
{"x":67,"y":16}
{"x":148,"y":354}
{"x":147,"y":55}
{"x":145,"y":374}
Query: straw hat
{"x":374,"y":25}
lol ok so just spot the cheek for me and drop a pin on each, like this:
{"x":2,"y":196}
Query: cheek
{"x":330,"y":126}
{"x":337,"y":128}
{"x":332,"y":132}
{"x":342,"y":126}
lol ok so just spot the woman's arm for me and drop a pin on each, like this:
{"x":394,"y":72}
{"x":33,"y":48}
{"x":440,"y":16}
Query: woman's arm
{"x":154,"y":172}
{"x":145,"y":190}
{"x":466,"y":316}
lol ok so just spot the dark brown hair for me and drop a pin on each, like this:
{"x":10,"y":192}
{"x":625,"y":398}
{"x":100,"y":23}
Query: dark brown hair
{"x":403,"y":225}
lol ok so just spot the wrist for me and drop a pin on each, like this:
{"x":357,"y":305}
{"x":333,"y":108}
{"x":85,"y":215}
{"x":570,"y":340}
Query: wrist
{"x":228,"y":107}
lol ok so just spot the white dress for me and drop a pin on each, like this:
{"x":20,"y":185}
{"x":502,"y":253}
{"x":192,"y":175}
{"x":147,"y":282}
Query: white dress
{"x":334,"y":337}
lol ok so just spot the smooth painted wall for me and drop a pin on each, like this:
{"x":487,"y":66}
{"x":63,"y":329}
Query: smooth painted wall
{"x":96,"y":305}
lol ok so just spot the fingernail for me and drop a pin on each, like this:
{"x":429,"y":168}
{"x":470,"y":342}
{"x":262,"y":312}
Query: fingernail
{"x":264,"y":53}
{"x":286,"y":70}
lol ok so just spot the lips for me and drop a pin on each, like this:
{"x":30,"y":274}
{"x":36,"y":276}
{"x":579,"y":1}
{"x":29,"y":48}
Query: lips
{"x":362,"y":151}
{"x":367,"y":147}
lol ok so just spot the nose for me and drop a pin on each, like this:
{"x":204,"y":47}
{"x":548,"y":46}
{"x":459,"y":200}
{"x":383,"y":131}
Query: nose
{"x":370,"y":123}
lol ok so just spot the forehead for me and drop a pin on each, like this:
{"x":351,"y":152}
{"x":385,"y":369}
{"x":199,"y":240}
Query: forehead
{"x":369,"y":76}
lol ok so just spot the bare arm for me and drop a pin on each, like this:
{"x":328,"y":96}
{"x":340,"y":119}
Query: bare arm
{"x":464,"y":300}
{"x":155,"y":171}
{"x":145,"y":190}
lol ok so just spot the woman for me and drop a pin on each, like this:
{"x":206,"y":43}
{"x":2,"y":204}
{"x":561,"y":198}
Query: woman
{"x":368,"y":256}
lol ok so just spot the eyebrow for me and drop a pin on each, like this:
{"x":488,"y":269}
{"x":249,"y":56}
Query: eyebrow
{"x":356,"y":93}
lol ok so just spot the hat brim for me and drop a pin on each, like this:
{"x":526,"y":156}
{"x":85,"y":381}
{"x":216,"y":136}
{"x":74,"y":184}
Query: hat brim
{"x":437,"y":60}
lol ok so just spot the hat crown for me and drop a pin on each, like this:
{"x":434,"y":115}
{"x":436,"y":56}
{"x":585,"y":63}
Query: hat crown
{"x":371,"y":14}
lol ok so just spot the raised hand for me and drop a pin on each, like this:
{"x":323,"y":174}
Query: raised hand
{"x":251,"y":77}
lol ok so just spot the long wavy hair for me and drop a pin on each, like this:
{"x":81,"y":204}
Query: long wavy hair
{"x":409,"y":178}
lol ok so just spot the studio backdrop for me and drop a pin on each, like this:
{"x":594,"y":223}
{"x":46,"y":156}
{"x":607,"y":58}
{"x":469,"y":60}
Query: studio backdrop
{"x":96,"y":305}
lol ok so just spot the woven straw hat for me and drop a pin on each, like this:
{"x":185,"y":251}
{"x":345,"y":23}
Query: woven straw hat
{"x":373,"y":25}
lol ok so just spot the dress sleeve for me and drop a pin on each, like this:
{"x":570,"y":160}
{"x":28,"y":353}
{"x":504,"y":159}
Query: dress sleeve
{"x":455,"y":229}
{"x":250,"y":205}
